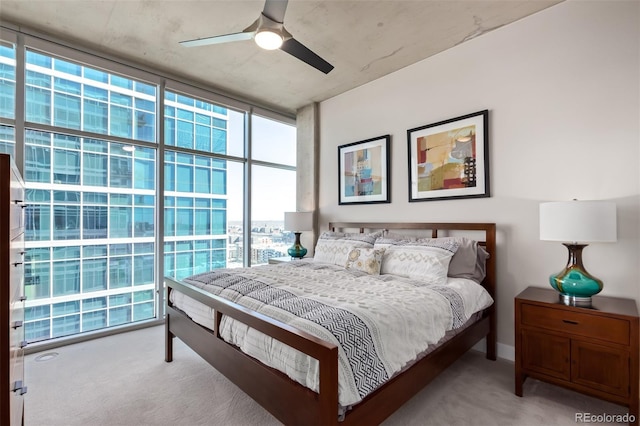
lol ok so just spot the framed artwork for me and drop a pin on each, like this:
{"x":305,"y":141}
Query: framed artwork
{"x":363,"y":169}
{"x":450,"y":159}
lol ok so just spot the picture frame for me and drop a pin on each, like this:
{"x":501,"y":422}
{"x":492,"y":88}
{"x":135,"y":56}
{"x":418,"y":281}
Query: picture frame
{"x":364,"y":171}
{"x":450,"y":159}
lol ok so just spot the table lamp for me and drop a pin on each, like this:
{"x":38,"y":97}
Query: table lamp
{"x":576,"y":223}
{"x":297,"y":222}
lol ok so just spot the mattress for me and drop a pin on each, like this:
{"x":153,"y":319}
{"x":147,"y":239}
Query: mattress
{"x":380,"y":323}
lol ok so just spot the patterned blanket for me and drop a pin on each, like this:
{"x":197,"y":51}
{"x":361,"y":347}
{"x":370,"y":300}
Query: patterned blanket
{"x":379,"y":323}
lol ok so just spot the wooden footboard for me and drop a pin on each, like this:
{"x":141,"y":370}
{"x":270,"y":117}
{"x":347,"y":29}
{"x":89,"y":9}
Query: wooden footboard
{"x":292,"y":403}
{"x":287,"y":400}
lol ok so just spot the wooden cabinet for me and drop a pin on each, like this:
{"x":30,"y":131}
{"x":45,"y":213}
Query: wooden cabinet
{"x":590,"y":350}
{"x":12,"y":341}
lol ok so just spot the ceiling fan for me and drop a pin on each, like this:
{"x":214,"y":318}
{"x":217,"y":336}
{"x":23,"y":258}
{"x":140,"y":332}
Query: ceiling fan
{"x":269,"y":33}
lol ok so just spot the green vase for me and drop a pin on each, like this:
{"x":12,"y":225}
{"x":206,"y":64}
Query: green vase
{"x":574,"y":282}
{"x":296,"y":250}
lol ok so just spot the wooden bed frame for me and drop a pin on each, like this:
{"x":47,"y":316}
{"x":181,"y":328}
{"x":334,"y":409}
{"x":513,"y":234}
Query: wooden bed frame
{"x":292,"y":403}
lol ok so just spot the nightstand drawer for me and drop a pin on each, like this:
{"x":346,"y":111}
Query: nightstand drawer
{"x":582,"y":324}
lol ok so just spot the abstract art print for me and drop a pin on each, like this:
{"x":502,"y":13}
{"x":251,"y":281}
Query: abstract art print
{"x":450,"y":159}
{"x":364,"y":171}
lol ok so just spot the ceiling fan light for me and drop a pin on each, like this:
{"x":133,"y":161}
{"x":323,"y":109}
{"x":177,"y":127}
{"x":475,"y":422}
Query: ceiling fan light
{"x":268,"y":39}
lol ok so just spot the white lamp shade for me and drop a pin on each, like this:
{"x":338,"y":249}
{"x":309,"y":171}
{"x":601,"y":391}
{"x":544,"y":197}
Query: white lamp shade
{"x":578,"y":221}
{"x":298,"y":221}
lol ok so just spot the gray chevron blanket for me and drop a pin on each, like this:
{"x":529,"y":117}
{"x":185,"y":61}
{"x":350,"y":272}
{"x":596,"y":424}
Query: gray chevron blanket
{"x":379,"y":323}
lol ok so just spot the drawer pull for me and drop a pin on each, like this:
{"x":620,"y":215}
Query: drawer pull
{"x":19,"y":387}
{"x":16,"y":324}
{"x":17,"y":263}
{"x":570,"y":322}
{"x":23,"y":344}
{"x":22,"y":298}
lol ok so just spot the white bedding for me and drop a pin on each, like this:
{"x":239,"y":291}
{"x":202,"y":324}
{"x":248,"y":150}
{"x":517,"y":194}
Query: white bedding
{"x":396,"y":318}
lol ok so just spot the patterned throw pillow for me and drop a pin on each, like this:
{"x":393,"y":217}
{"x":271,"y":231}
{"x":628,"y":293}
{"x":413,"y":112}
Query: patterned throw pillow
{"x":469,"y":261}
{"x":428,"y":260}
{"x":365,"y":259}
{"x":333,"y":247}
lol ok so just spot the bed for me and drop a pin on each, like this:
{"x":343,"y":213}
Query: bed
{"x":286,"y":397}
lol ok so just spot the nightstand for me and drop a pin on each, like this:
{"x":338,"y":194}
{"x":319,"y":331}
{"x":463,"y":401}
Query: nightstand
{"x":590,"y":350}
{"x":274,"y":260}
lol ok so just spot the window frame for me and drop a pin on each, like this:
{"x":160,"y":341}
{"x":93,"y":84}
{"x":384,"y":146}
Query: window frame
{"x":23,"y":40}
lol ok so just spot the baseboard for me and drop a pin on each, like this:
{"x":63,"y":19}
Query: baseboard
{"x":506,"y":352}
{"x":46,"y":345}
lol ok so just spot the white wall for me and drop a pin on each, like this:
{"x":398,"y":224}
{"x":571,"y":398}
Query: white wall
{"x":562,"y":89}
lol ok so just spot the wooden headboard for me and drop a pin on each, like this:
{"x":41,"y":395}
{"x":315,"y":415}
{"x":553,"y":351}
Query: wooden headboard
{"x":484,"y":233}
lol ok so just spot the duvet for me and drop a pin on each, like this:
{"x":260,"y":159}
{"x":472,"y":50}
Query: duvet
{"x":380,"y":323}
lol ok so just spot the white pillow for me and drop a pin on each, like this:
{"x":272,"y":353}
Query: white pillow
{"x":385,"y":242}
{"x":427,"y":261}
{"x":365,"y":259}
{"x":333,"y":247}
{"x":469,"y":261}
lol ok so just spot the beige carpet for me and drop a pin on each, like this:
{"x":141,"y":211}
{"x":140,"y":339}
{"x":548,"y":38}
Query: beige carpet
{"x":123,"y":380}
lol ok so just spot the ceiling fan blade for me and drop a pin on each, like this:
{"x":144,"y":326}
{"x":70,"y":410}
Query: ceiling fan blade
{"x":245,"y":35}
{"x":275,"y":9}
{"x":295,"y":48}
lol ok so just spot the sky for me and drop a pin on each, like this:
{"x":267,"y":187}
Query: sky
{"x":274,"y":190}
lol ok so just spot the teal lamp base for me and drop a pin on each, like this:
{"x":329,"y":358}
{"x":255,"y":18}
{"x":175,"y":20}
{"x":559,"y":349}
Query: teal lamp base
{"x":574,"y":283}
{"x":296,"y":251}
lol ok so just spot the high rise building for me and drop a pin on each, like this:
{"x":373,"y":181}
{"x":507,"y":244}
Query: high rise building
{"x":112,"y":207}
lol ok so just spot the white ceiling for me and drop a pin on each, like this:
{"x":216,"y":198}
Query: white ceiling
{"x":363,"y":39}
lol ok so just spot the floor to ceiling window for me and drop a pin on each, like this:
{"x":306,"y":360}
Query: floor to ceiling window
{"x":129,"y":180}
{"x":273,"y":189}
{"x":7,"y":95}
{"x":195,"y":190}
{"x":90,"y":216}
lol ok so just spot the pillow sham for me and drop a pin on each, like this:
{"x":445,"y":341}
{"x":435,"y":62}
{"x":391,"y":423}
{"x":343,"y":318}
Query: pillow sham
{"x":385,"y":242}
{"x":469,"y":261}
{"x":424,"y":260}
{"x":366,"y":260}
{"x":333,"y":247}
{"x":398,"y":236}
